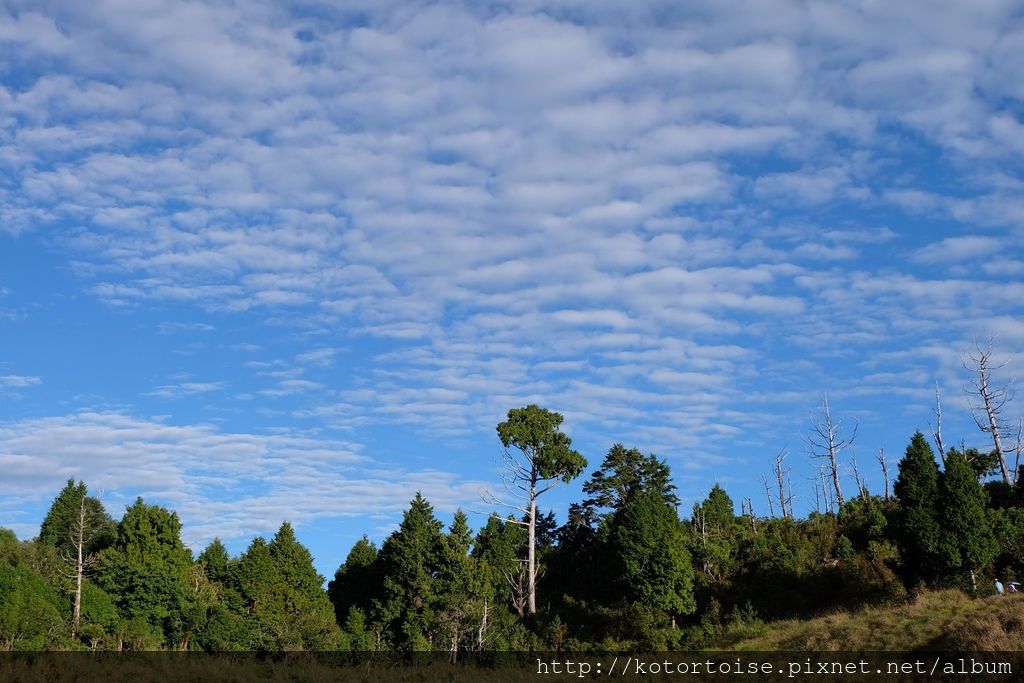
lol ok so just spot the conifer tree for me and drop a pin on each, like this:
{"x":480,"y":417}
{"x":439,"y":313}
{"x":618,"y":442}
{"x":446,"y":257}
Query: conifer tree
{"x":356,"y":581}
{"x":299,"y":606}
{"x":59,"y":524}
{"x":499,"y":546}
{"x":215,"y":560}
{"x":544,"y":459}
{"x":463,"y":592}
{"x":281,"y":594}
{"x":146,"y":570}
{"x":917,"y":490}
{"x":624,"y":474}
{"x":650,"y":544}
{"x":714,"y":530}
{"x":409,"y":564}
{"x":967,"y":542}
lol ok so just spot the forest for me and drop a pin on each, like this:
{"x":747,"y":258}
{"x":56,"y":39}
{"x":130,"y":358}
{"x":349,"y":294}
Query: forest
{"x":625,"y":571}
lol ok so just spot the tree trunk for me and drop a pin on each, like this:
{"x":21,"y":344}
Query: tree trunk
{"x":993,"y":424}
{"x":531,"y":551}
{"x":79,"y":543}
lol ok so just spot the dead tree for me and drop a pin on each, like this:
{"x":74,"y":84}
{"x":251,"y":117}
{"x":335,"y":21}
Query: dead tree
{"x":884,"y":464}
{"x":825,"y":442}
{"x":1017,"y":449}
{"x":768,"y":494}
{"x":937,"y":430}
{"x":518,"y":582}
{"x":747,"y":510}
{"x":988,"y":415}
{"x":78,"y":563}
{"x":826,"y":492}
{"x":782,"y":478}
{"x":862,"y":488}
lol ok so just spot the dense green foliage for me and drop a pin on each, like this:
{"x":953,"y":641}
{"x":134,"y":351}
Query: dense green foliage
{"x":623,"y":571}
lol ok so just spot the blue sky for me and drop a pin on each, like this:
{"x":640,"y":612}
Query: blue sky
{"x":290,"y":261}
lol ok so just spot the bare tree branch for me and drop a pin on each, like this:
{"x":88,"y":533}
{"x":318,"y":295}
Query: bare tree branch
{"x":937,"y":430}
{"x":825,"y":442}
{"x":885,"y":471}
{"x":988,"y":415}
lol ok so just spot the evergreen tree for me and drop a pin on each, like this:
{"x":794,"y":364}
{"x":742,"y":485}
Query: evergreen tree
{"x":917,"y":490}
{"x":624,"y":474}
{"x":281,"y":595}
{"x":58,"y":526}
{"x":356,"y":582}
{"x":715,"y":538}
{"x":464,"y":594}
{"x":409,"y":564}
{"x":967,"y":542}
{"x":499,"y":546}
{"x":650,"y":544}
{"x":147,"y":570}
{"x":546,"y":458}
{"x":215,"y":560}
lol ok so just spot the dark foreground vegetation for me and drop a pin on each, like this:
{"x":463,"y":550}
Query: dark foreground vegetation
{"x":625,"y":571}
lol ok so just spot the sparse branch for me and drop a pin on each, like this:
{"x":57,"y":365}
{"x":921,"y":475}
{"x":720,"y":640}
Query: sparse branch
{"x":937,"y":430}
{"x":768,"y":494}
{"x":884,"y":464}
{"x":826,"y":442}
{"x":781,"y":480}
{"x":1017,"y":449}
{"x":988,"y":415}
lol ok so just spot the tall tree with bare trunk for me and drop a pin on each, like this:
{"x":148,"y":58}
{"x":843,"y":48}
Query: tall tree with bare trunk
{"x":537,"y":457}
{"x":937,"y":429}
{"x":988,"y":414}
{"x":826,"y":442}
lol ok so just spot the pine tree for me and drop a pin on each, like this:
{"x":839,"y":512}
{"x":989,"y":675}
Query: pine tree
{"x":649,"y":543}
{"x":624,"y":474}
{"x":715,"y":541}
{"x":463,"y":593}
{"x":280,"y":593}
{"x":917,"y":490}
{"x":59,"y":524}
{"x":409,"y":564}
{"x":545,"y":458}
{"x":967,"y":542}
{"x":147,"y":570}
{"x":357,"y":580}
{"x":500,"y":546}
{"x":215,"y":560}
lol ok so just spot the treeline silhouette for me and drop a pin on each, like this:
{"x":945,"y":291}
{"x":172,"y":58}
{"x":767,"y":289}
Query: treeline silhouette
{"x":624,"y":571}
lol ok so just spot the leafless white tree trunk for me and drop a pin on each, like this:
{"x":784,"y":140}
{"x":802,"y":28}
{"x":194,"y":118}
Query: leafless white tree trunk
{"x":862,"y":488}
{"x":1018,"y":449}
{"x":747,"y":509}
{"x":885,"y":471}
{"x":782,"y":479}
{"x":768,"y":494}
{"x":825,"y":442}
{"x":988,"y":415}
{"x":78,"y":563}
{"x":937,"y":430}
{"x":521,"y":479}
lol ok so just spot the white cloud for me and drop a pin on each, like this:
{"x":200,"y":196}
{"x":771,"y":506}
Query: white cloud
{"x":186,"y":389}
{"x":674,"y":194}
{"x":233,"y":485}
{"x":18,"y":381}
{"x":967,"y":248}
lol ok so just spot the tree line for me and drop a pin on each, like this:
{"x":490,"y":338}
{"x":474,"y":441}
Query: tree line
{"x":625,"y":570}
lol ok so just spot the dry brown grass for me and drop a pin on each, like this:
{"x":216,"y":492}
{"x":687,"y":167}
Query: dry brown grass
{"x":939,"y":620}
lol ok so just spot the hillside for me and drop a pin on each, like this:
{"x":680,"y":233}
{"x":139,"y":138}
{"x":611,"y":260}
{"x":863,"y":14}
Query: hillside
{"x":935,"y":620}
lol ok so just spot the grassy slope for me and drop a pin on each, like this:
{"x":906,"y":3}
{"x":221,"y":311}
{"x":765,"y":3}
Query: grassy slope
{"x":940,"y":620}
